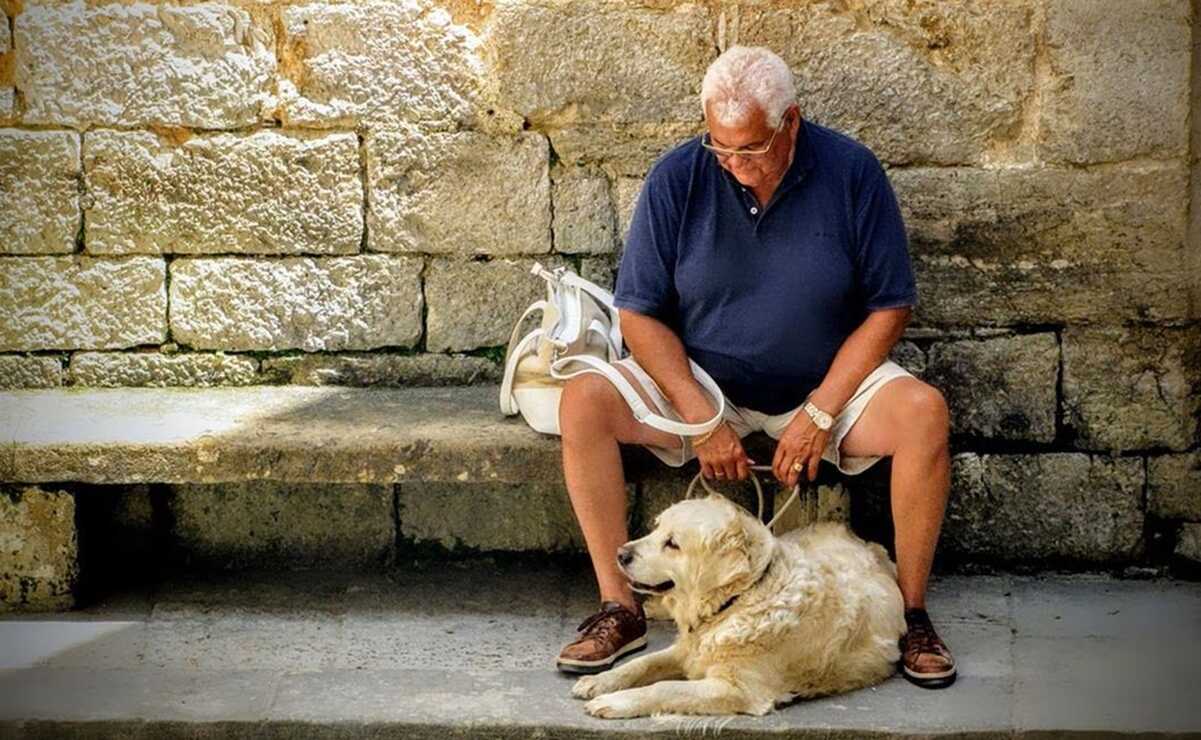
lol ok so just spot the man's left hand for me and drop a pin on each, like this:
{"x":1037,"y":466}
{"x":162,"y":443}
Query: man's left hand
{"x":801,"y":441}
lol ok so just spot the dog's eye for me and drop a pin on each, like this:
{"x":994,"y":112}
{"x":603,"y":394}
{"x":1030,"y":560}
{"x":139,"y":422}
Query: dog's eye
{"x":670,"y":544}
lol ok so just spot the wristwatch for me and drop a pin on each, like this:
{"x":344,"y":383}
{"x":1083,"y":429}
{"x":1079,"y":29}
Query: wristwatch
{"x":820,"y":418}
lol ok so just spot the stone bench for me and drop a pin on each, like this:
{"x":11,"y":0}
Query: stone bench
{"x":302,"y":476}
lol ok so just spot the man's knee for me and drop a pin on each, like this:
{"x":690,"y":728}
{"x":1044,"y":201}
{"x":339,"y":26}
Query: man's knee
{"x":585,"y":404}
{"x":926,"y":408}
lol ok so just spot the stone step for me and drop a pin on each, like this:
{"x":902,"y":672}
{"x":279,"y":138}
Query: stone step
{"x":467,"y":651}
{"x":320,"y":476}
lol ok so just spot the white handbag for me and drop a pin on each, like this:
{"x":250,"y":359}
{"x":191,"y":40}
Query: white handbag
{"x":580,"y":333}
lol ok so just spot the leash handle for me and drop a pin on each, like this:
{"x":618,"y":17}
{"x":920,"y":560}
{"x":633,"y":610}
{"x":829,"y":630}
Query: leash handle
{"x":796,"y":492}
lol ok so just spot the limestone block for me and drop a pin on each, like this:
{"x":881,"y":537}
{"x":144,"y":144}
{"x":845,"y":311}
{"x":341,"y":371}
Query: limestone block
{"x":1000,"y":388}
{"x":558,"y":63}
{"x":155,"y":369}
{"x":208,"y":65}
{"x":621,"y":151}
{"x":381,"y":63}
{"x":458,"y":193}
{"x":1119,"y":86}
{"x":8,"y":111}
{"x":81,"y":302}
{"x":1047,"y":245}
{"x":1130,"y":388}
{"x":584,"y":222}
{"x":314,"y":304}
{"x":625,"y":195}
{"x":263,"y":193}
{"x":383,"y":370}
{"x":925,"y":81}
{"x":516,"y":518}
{"x":1188,"y":543}
{"x":38,"y":549}
{"x":475,"y":304}
{"x":1174,"y":486}
{"x":30,"y":372}
{"x":39,"y":187}
{"x":265,"y":522}
{"x":1064,"y":506}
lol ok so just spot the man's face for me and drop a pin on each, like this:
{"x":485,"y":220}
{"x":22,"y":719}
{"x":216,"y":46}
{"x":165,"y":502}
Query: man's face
{"x":754,"y":134}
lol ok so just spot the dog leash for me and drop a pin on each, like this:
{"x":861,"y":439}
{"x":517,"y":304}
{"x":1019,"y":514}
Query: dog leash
{"x":796,"y":492}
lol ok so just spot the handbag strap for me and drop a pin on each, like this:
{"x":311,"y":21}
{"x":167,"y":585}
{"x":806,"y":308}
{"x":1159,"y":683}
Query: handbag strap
{"x":642,"y":412}
{"x":516,"y":349}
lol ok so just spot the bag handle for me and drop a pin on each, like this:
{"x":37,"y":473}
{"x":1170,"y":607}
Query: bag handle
{"x":508,"y":405}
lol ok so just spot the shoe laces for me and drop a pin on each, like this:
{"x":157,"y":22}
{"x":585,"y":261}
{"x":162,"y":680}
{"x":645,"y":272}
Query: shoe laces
{"x":603,"y":623}
{"x":920,"y":632}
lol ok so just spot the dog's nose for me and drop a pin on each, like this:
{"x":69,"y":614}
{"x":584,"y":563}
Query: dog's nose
{"x":625,"y":555}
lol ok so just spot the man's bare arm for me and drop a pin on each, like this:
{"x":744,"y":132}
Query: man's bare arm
{"x":860,"y":353}
{"x":661,"y":353}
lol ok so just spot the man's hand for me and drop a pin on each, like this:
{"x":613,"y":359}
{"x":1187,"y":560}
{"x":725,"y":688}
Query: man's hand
{"x":722,"y":457}
{"x":802,"y":441}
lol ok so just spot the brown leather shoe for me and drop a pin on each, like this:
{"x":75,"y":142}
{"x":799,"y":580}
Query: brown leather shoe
{"x":612,"y":632}
{"x":925,"y":658}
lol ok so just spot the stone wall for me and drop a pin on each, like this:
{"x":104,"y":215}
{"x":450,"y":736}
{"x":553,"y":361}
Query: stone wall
{"x":206,"y":193}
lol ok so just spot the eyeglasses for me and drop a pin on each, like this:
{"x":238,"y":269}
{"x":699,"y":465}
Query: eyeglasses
{"x":723,"y":153}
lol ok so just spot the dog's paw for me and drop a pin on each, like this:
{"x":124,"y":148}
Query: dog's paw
{"x":586,"y":688}
{"x":613,"y":706}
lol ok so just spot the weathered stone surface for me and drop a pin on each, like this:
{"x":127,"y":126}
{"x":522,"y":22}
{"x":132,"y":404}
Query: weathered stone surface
{"x":1002,"y":388}
{"x":559,"y":63}
{"x":1047,"y":245}
{"x":584,"y":222}
{"x":475,"y":304}
{"x":297,"y":524}
{"x":1099,"y":105}
{"x":815,"y":503}
{"x":625,"y":195}
{"x":263,"y":193}
{"x":290,"y":433}
{"x":155,"y":369}
{"x":1130,"y":388}
{"x":600,"y":270}
{"x":8,"y":111}
{"x":39,"y":187}
{"x":525,"y":517}
{"x":30,"y":372}
{"x":382,"y":63}
{"x":38,"y":549}
{"x":81,"y":302}
{"x":1065,"y":506}
{"x":314,"y":304}
{"x":208,"y":65}
{"x":620,"y":151}
{"x":459,"y":193}
{"x":925,"y":81}
{"x":909,"y":356}
{"x":1188,"y":543}
{"x":1174,"y":486}
{"x":383,"y":370}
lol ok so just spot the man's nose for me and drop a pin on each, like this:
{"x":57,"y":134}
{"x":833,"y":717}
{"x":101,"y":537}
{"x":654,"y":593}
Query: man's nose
{"x":625,"y":555}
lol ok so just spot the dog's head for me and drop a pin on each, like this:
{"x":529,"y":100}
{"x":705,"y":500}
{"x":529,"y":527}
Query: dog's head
{"x":700,"y":554}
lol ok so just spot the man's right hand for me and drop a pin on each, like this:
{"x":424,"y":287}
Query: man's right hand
{"x":722,"y":457}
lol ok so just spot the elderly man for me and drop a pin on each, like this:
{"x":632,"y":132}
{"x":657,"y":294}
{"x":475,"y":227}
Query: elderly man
{"x":770,"y":251}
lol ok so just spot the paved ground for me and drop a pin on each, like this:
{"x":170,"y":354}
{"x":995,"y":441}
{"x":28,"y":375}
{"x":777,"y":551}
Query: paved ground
{"x":468,"y":651}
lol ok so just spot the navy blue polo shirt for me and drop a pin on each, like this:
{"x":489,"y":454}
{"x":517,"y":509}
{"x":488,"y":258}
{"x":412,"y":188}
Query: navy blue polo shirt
{"x":763,"y":298}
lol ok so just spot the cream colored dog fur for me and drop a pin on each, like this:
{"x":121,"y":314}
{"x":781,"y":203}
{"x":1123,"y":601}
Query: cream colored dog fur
{"x":760,"y":620}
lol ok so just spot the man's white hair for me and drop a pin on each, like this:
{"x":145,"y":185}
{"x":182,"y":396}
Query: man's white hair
{"x":746,"y":77}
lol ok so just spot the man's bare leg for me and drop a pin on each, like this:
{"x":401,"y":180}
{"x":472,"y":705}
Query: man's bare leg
{"x":593,"y":419}
{"x":908,"y":420}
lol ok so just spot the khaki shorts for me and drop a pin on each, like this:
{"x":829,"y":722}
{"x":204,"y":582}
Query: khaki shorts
{"x":744,"y":421}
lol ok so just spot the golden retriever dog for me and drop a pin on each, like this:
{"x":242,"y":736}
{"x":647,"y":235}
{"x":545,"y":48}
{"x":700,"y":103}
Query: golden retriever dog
{"x":761,"y":621}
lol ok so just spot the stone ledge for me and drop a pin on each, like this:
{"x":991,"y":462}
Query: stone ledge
{"x":288,"y":434}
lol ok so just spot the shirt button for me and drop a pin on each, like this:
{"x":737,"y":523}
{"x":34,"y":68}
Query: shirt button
{"x":754,"y":211}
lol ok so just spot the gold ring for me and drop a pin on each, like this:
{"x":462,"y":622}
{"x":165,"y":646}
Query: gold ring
{"x":798,"y":466}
